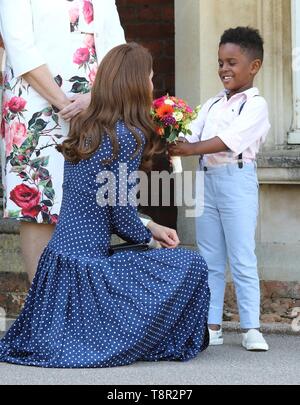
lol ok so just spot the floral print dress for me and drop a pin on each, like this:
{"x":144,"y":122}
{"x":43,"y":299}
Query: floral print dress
{"x":32,"y":168}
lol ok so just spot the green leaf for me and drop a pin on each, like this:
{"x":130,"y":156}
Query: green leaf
{"x":47,"y":110}
{"x":48,"y":203}
{"x":41,"y":161}
{"x":58,"y":80}
{"x":16,"y":168}
{"x":14,"y":213}
{"x":43,"y":173}
{"x":173,"y":136}
{"x":78,"y":88}
{"x":55,"y":118}
{"x":78,"y":79}
{"x":40,"y":125}
{"x":49,"y":192}
{"x":34,"y":118}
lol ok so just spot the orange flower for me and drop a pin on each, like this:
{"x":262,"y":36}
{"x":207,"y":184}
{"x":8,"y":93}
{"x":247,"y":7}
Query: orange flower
{"x":164,"y":110}
{"x":160,"y":131}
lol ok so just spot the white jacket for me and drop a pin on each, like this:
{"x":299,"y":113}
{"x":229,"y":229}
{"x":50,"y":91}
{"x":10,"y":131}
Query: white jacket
{"x":36,"y":32}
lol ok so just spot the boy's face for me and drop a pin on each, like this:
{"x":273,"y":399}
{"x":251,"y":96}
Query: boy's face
{"x":236,"y":69}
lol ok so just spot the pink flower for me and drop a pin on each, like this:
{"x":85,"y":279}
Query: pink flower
{"x":89,"y":41}
{"x":19,"y":133}
{"x":88,"y":11}
{"x":159,"y":102}
{"x":92,"y":75}
{"x":13,"y":135}
{"x":74,"y":14}
{"x":8,"y":137}
{"x":16,"y":104}
{"x":81,"y":56}
{"x":5,"y":109}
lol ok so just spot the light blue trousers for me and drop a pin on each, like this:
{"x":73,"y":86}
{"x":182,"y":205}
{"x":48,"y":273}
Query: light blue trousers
{"x":226,"y":231}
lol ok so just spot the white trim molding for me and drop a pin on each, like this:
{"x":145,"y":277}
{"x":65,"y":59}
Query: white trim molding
{"x":294,"y":135}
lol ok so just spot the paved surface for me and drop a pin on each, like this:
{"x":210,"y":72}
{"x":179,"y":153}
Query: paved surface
{"x":224,"y":365}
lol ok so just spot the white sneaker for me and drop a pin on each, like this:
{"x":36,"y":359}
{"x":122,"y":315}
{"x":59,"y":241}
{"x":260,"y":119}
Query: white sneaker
{"x":253,"y":340}
{"x":215,"y":337}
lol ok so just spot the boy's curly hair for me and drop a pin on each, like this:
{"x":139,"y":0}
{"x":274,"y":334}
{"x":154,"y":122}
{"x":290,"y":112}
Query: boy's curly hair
{"x":249,"y":39}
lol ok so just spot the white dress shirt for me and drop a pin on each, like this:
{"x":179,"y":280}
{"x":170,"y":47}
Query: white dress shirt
{"x":241,"y":132}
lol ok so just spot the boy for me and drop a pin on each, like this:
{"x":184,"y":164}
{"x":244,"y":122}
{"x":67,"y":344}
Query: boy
{"x":227,"y":135}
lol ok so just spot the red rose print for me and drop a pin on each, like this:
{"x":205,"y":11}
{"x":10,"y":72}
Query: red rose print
{"x":81,"y":56}
{"x":88,"y":11}
{"x":31,"y":212}
{"x":16,"y":104}
{"x":54,"y":219}
{"x":27,"y":198}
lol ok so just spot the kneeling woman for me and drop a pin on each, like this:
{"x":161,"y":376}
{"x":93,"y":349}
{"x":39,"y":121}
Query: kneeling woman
{"x":89,"y":309}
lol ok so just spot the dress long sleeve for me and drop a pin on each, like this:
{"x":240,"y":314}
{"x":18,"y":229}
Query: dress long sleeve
{"x":16,"y":26}
{"x":124,"y":181}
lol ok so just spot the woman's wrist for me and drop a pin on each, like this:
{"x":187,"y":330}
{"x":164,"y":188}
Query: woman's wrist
{"x":150,"y":224}
{"x":62,"y":103}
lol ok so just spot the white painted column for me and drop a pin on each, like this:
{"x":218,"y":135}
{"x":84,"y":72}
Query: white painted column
{"x":294,"y":135}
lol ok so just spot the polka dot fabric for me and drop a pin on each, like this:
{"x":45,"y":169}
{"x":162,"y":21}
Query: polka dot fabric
{"x":88,"y":309}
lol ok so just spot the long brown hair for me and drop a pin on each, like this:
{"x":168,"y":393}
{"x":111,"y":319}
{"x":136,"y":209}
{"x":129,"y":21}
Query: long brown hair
{"x":121,"y":91}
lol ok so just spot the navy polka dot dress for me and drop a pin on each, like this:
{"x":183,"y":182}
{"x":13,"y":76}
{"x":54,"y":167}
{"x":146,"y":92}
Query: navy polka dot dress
{"x":88,"y":309}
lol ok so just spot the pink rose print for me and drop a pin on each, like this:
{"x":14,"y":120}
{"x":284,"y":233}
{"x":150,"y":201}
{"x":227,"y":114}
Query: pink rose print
{"x":81,"y":56}
{"x":5,"y":109}
{"x":92,"y":75}
{"x":9,"y":137}
{"x":88,"y":11}
{"x":89,"y":41}
{"x":19,"y":132}
{"x":16,"y":104}
{"x":74,"y":14}
{"x":14,"y":135}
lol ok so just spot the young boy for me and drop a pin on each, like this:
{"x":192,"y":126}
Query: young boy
{"x":227,"y":135}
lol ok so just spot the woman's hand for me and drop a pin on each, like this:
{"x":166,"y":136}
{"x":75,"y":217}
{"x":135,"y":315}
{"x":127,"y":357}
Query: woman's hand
{"x":166,"y":237}
{"x":79,"y":102}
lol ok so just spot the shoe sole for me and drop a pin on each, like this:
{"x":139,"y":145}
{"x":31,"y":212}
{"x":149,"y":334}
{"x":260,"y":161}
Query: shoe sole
{"x":256,"y":348}
{"x":218,"y":342}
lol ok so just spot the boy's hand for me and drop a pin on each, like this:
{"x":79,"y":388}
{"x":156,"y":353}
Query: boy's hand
{"x":181,"y":148}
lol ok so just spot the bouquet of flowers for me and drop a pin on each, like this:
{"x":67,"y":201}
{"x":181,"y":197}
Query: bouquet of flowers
{"x":172,"y":117}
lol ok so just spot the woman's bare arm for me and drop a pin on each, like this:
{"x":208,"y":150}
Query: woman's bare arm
{"x":41,"y":80}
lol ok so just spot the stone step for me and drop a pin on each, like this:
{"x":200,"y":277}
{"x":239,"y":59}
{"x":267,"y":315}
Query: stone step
{"x":9,"y":226}
{"x":10,"y":253}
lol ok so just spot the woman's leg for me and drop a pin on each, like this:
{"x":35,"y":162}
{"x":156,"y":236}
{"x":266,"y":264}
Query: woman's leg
{"x":34,"y":239}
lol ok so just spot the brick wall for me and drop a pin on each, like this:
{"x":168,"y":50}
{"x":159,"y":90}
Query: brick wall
{"x":151,"y":23}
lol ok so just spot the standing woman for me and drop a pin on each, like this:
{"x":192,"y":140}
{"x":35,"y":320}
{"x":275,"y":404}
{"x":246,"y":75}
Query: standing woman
{"x":53,"y":48}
